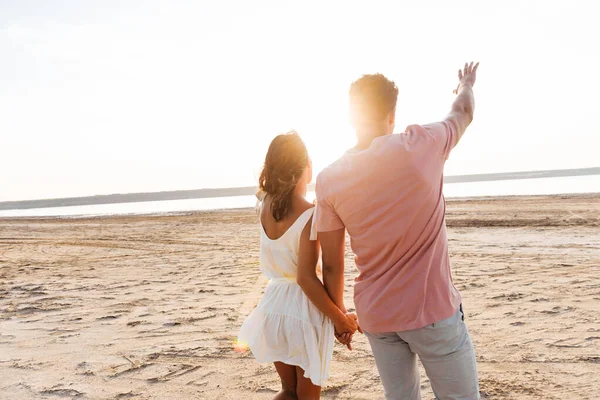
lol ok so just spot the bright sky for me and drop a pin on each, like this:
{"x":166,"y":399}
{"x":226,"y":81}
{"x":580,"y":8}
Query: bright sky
{"x":102,"y":96}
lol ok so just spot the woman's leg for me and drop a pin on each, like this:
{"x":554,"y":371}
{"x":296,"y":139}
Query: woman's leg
{"x":305,"y":389}
{"x":287,"y":373}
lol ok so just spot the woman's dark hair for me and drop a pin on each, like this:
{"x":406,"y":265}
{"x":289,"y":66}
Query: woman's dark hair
{"x":285,"y":162}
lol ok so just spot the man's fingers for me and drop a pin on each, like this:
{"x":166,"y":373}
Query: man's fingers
{"x":469,"y":68}
{"x":344,"y":338}
{"x":460,"y":76}
{"x":352,"y":320}
{"x":360,"y":330}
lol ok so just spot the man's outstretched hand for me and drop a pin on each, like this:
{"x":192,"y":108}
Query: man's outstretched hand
{"x":467,"y":76}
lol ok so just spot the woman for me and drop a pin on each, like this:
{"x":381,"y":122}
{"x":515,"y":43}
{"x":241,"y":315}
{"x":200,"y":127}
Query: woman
{"x":293,"y":325}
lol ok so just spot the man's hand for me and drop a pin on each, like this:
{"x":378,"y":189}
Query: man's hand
{"x":344,"y":331}
{"x":467,"y":76}
{"x":345,"y":339}
{"x":463,"y":108}
{"x":347,"y":324}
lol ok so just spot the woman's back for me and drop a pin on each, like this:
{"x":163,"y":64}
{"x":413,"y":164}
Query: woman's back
{"x":287,"y":328}
{"x":280,"y":240}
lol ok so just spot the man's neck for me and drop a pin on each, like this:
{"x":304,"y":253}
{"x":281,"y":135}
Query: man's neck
{"x":365,"y":138}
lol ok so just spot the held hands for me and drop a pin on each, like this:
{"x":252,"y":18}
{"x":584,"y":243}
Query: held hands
{"x":345,"y":329}
{"x":467,"y":76}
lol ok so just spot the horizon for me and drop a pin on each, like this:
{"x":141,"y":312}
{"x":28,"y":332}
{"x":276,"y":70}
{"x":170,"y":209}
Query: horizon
{"x":152,"y":96}
{"x":203,"y":193}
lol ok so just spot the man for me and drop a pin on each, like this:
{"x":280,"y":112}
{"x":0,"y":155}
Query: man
{"x":387,"y":194}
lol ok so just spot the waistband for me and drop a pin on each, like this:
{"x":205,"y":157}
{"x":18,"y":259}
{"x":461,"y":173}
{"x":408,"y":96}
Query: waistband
{"x":282,"y":279}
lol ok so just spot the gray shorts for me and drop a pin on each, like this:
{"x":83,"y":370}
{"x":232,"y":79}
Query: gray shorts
{"x":446,"y":351}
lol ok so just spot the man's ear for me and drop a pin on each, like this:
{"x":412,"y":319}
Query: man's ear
{"x":392,"y":119}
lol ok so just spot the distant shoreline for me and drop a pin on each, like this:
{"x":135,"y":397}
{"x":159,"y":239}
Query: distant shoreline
{"x":251,"y":190}
{"x":222,"y":211}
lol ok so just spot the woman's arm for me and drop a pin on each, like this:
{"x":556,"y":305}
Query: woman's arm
{"x":314,"y":289}
{"x":333,"y":245}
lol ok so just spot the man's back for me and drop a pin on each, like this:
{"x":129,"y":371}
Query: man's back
{"x":389,"y":198}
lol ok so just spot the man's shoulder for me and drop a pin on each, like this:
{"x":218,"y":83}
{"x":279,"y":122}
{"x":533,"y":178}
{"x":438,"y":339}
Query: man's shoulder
{"x":430,"y":129}
{"x":329,"y":175}
{"x":332,"y":169}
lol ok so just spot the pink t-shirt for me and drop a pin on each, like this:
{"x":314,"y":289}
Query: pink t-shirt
{"x":389,"y":198}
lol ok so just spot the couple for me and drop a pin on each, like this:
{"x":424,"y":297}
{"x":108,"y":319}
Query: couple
{"x":386,"y":192}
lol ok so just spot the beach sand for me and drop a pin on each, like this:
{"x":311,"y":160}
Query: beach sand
{"x":147,"y":307}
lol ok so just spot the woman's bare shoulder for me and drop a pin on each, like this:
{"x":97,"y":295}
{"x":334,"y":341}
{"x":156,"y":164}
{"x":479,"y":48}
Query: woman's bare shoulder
{"x":304,"y":205}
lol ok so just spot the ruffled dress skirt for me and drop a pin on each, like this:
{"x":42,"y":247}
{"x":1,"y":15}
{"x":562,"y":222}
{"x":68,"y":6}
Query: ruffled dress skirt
{"x":287,"y":327}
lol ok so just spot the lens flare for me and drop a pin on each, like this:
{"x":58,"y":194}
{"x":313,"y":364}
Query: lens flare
{"x":240,"y":346}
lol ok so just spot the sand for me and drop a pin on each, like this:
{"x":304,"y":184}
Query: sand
{"x":147,"y":307}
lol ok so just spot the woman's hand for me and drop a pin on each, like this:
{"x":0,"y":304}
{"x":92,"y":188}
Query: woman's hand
{"x":345,"y":329}
{"x":348,"y":323}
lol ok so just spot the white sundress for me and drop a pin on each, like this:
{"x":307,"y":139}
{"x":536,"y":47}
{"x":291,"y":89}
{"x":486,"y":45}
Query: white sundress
{"x":286,"y":326}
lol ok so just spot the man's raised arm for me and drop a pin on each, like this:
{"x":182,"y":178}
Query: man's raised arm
{"x":463,"y":107}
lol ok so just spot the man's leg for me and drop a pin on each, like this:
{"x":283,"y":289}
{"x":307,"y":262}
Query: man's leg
{"x":397,"y":366}
{"x":446,"y":351}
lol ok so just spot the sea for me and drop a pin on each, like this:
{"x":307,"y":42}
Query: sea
{"x":520,"y":187}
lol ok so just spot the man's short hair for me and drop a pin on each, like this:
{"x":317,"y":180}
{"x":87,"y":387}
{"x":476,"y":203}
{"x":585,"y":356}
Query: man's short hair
{"x":372,"y":97}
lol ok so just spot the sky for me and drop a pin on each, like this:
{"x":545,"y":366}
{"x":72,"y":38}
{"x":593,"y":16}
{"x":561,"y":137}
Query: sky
{"x":100,"y":97}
